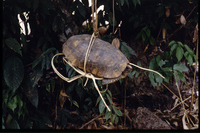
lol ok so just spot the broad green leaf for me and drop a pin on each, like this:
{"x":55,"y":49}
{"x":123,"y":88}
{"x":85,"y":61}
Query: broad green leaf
{"x":180,"y":44}
{"x":188,"y":57}
{"x":11,"y":123}
{"x":14,"y":45}
{"x":151,"y":77}
{"x":35,"y":4}
{"x":81,"y":9}
{"x":152,"y":40}
{"x":126,"y":50}
{"x":75,"y":103}
{"x":35,"y":77}
{"x":109,"y":99}
{"x":118,"y":112}
{"x":139,"y":2}
{"x":180,"y":67}
{"x":122,"y":2}
{"x":116,"y":119}
{"x":188,"y":49}
{"x":148,"y":32}
{"x":113,"y":118}
{"x":3,"y":127}
{"x":161,"y":63}
{"x":181,"y":76}
{"x":172,"y":43}
{"x":30,"y":91}
{"x":80,"y":91}
{"x":136,"y":74}
{"x":101,"y":107}
{"x":158,"y":59}
{"x":108,"y":115}
{"x":153,"y":64}
{"x":109,"y":92}
{"x":42,"y":56}
{"x":173,"y":49}
{"x":13,"y":72}
{"x":158,"y":79}
{"x":127,"y":3}
{"x":12,"y":103}
{"x":179,"y":53}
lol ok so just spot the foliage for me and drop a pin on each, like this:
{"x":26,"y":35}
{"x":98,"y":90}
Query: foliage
{"x":31,"y":90}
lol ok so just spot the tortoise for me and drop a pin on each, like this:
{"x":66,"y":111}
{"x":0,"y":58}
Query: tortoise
{"x":104,"y":61}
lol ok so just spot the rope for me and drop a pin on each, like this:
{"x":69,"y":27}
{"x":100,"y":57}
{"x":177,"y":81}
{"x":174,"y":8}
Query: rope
{"x":147,"y":69}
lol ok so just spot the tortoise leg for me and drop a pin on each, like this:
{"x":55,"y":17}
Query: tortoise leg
{"x":60,"y":75}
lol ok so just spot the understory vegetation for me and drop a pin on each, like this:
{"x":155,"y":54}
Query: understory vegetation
{"x":161,"y":35}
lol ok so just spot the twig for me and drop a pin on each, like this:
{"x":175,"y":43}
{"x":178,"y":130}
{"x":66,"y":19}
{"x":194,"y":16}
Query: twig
{"x":90,"y":121}
{"x":179,"y":27}
{"x":125,"y":86}
{"x":180,"y":103}
{"x":192,"y":100}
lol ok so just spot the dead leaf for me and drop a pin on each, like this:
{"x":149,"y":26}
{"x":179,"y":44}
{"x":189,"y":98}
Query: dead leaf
{"x":196,"y":105}
{"x":164,"y":33}
{"x":116,"y":43}
{"x":62,"y":98}
{"x":178,"y":21}
{"x":184,"y":122}
{"x":195,"y":34}
{"x":103,"y":29}
{"x":167,"y":13}
{"x":182,"y":20}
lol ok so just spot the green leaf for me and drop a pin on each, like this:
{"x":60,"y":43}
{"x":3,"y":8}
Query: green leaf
{"x":109,"y":99}
{"x":180,"y":67}
{"x":101,"y":107}
{"x":127,"y":3}
{"x":152,"y":40}
{"x":172,"y":49}
{"x":151,"y":77}
{"x":108,"y":115}
{"x":126,"y":50}
{"x":118,"y":112}
{"x":75,"y":103}
{"x":113,"y":118}
{"x":181,"y":76}
{"x":11,"y":123}
{"x":12,"y":103}
{"x":42,"y":56}
{"x":109,"y":92}
{"x":122,"y":2}
{"x":188,"y":49}
{"x":81,"y":9}
{"x":80,"y":91}
{"x":158,"y":59}
{"x":14,"y":45}
{"x":158,"y":78}
{"x":137,"y":74}
{"x":180,"y":44}
{"x":179,"y":53}
{"x":161,"y":63}
{"x":35,"y":77}
{"x":116,"y":119}
{"x":153,"y":64}
{"x":188,"y":57}
{"x":13,"y":72}
{"x":172,"y":43}
{"x":30,"y":90}
{"x":35,"y":4}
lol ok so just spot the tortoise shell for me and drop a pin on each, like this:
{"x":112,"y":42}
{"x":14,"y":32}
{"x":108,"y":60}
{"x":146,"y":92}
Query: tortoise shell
{"x":104,"y":61}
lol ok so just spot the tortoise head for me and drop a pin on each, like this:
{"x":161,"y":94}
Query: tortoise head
{"x":128,"y":69}
{"x":123,"y":75}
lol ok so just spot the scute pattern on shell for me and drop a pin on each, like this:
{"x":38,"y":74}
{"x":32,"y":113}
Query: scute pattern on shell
{"x":105,"y":60}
